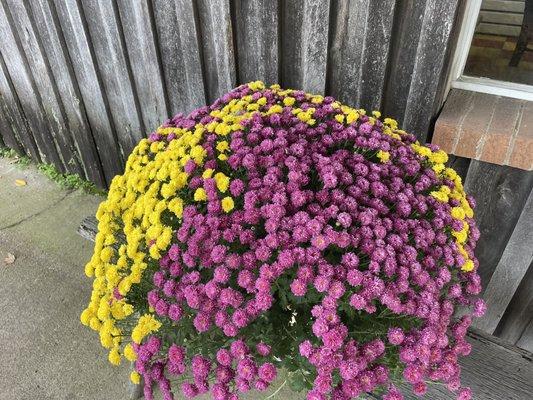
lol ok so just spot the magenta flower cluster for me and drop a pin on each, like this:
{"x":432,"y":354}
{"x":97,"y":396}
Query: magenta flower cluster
{"x":357,"y":235}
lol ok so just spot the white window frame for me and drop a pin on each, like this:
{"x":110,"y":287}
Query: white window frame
{"x":484,"y":85}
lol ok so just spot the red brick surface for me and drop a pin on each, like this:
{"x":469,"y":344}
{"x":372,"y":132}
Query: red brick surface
{"x":449,"y":123}
{"x":486,"y":127}
{"x":521,"y":155}
{"x":477,"y":119}
{"x":507,"y":114}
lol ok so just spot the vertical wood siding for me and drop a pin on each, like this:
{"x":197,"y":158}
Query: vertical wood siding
{"x":504,"y":214}
{"x":82,"y":81}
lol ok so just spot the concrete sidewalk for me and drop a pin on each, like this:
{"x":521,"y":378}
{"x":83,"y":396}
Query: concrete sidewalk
{"x":45,"y":353}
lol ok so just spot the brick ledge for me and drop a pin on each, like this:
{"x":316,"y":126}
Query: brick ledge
{"x":487,"y":127}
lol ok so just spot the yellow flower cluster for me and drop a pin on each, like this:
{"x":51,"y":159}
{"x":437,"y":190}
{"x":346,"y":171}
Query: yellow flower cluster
{"x":131,"y":233}
{"x":349,"y":115}
{"x":437,"y":159}
{"x":146,"y":325}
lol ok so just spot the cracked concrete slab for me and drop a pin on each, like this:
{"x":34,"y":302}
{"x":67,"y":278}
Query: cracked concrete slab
{"x":20,"y":202}
{"x":46,"y":353}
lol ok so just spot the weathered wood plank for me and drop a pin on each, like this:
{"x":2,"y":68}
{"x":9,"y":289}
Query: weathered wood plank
{"x":13,"y":126}
{"x":83,"y":63}
{"x":180,"y":54}
{"x":136,"y":18}
{"x":51,"y":37}
{"x":88,"y":228}
{"x":256,"y":32}
{"x":497,"y":17}
{"x":314,"y":37}
{"x":526,"y":340}
{"x":511,"y":268}
{"x":436,"y":27}
{"x":23,"y":84}
{"x":359,"y":50}
{"x":7,"y":134}
{"x":504,"y":5}
{"x":217,"y":47}
{"x":497,"y":29}
{"x":111,"y":54}
{"x":45,"y":86}
{"x":415,"y":70}
{"x":377,"y":48}
{"x":304,"y":41}
{"x":406,"y":31}
{"x":347,"y":50}
{"x":500,"y":193}
{"x":519,"y":313}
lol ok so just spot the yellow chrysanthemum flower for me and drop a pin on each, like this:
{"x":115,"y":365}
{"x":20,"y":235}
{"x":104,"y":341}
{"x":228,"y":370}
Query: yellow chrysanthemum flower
{"x":468,"y":266}
{"x":135,"y":378}
{"x":200,"y":195}
{"x":227,"y":204}
{"x":383,"y":156}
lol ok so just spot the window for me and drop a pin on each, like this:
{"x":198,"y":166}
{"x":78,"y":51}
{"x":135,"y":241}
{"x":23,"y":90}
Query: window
{"x":494,"y":52}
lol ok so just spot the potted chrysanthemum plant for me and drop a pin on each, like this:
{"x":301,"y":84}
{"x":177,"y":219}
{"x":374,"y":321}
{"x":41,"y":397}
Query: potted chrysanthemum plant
{"x":279,"y":230}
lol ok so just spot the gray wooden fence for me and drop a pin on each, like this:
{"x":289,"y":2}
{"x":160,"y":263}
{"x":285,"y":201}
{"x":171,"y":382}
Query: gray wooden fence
{"x":81,"y":81}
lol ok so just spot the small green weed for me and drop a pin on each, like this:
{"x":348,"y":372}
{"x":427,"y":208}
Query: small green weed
{"x":67,"y":181}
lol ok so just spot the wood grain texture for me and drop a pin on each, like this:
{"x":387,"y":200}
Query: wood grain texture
{"x":509,"y":272}
{"x":180,"y":54}
{"x":83,"y":63}
{"x":526,"y":340}
{"x":23,"y":84}
{"x":501,"y":18}
{"x":140,"y":35}
{"x":415,"y":70}
{"x":8,"y":137}
{"x":88,"y":228}
{"x":45,"y":86}
{"x":304,"y":41}
{"x":51,"y":37}
{"x":406,"y":31}
{"x":501,"y":193}
{"x":216,"y":35}
{"x":436,"y":27}
{"x":113,"y":64}
{"x":14,"y":129}
{"x":516,"y":6}
{"x":359,"y":50}
{"x":113,"y":70}
{"x":257,"y":36}
{"x":519,"y":313}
